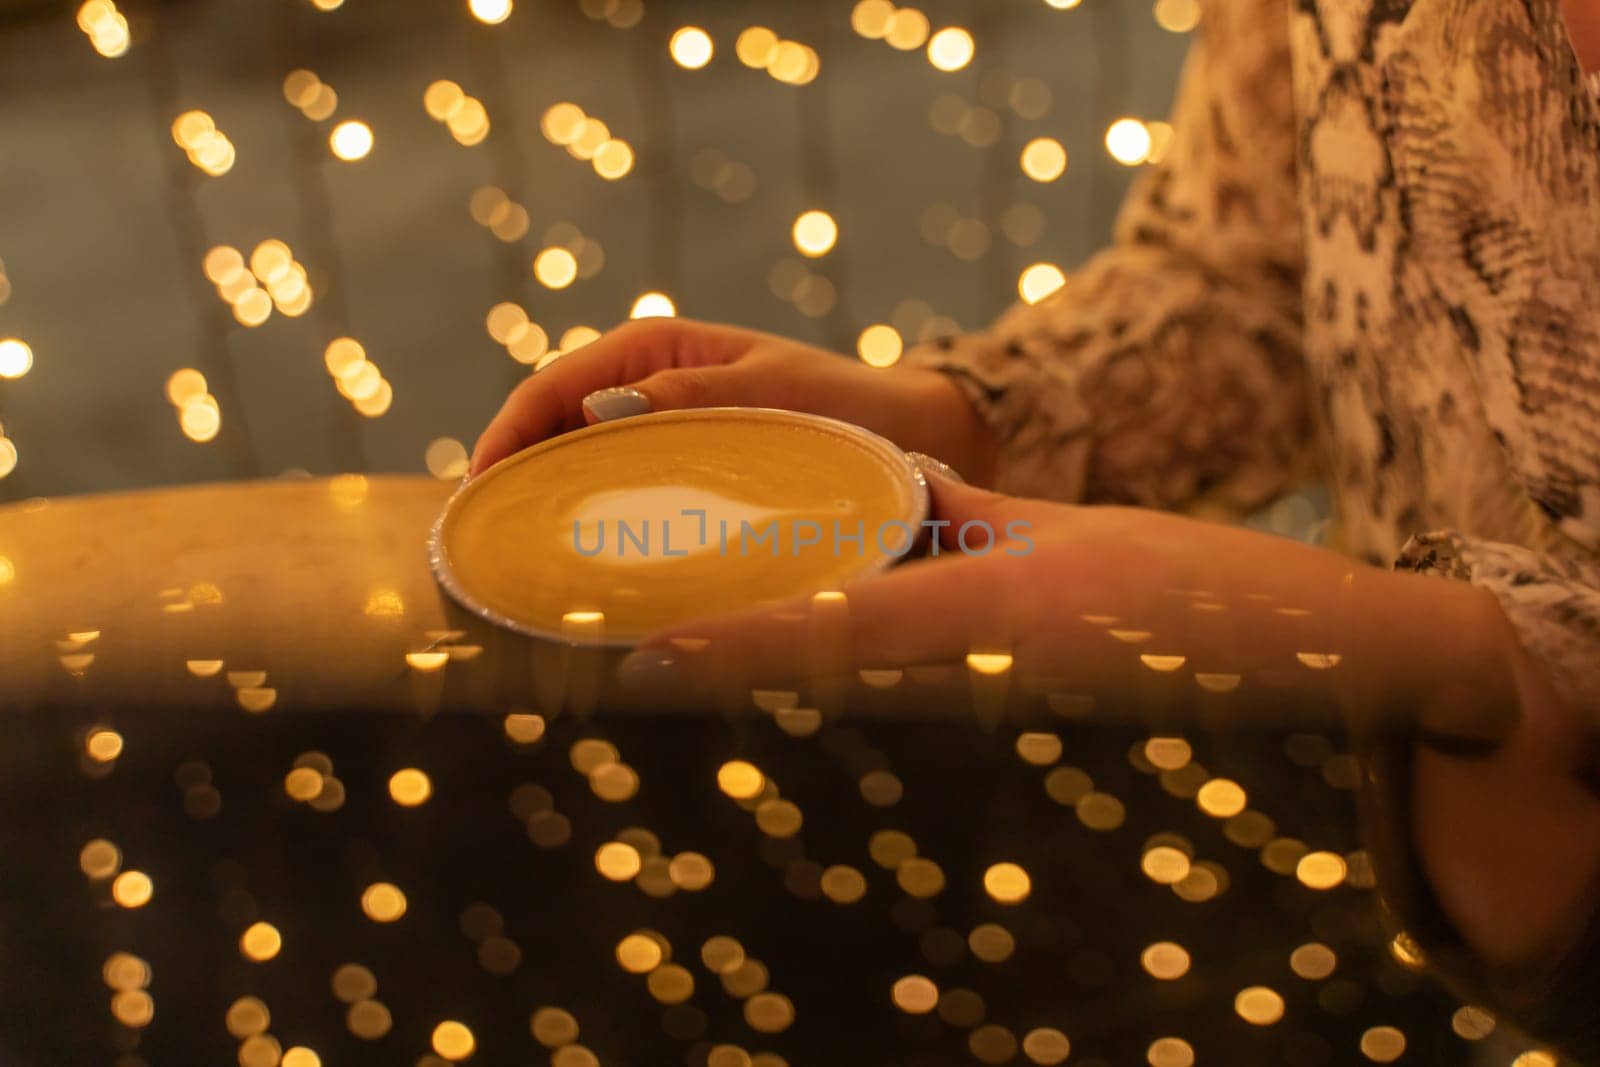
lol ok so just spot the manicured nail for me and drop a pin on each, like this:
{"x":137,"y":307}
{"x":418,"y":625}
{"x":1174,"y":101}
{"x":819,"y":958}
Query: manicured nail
{"x":617,"y":402}
{"x":648,"y":668}
{"x":935,"y":466}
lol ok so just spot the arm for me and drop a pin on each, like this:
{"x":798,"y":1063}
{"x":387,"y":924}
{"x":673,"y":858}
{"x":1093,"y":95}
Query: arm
{"x":1168,"y":367}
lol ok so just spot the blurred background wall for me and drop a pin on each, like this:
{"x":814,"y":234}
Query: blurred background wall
{"x":106,"y":220}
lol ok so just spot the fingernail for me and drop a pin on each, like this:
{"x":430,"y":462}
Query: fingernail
{"x":929,"y":465}
{"x":618,"y":402}
{"x":648,"y":667}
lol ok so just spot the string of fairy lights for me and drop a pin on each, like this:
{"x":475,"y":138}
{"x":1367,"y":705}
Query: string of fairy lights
{"x":564,"y":255}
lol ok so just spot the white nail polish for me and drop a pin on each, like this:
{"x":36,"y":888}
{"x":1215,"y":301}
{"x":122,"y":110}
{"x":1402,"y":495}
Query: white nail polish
{"x":617,"y":402}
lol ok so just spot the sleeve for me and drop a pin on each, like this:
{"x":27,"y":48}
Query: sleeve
{"x":1552,"y":603}
{"x":1169,"y":367}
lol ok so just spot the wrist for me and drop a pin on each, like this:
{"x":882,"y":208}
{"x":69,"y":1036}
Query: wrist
{"x":945,"y":424}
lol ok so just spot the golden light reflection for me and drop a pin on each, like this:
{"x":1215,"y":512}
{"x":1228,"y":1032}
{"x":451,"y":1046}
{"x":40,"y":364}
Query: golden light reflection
{"x":351,"y":140}
{"x":617,"y":861}
{"x":553,"y":1027}
{"x":950,"y":49}
{"x":247,"y":1017}
{"x":1128,"y":141}
{"x":453,"y":1040}
{"x":383,"y":902}
{"x":1258,"y":1005}
{"x":1313,"y":961}
{"x":1177,"y":16}
{"x":99,"y":859}
{"x":1321,"y":870}
{"x":879,"y":345}
{"x":1170,"y":1052}
{"x":690,"y":47}
{"x":260,"y":942}
{"x":490,"y":12}
{"x":16,"y":358}
{"x":639,"y":953}
{"x":555,"y":268}
{"x":1383,"y":1044}
{"x":1165,"y":960}
{"x":815,"y":233}
{"x":132,"y":889}
{"x":653,"y":305}
{"x":1472,"y":1023}
{"x":103,"y":745}
{"x":915,"y":994}
{"x":410,"y":787}
{"x":991,"y":663}
{"x":106,"y":27}
{"x":1046,"y":1045}
{"x":740,"y":780}
{"x":1164,"y":865}
{"x":1044,"y":159}
{"x":1221,"y":798}
{"x":1007,"y":883}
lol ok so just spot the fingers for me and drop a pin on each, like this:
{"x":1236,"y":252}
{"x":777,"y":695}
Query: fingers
{"x":929,"y":612}
{"x":551,"y":401}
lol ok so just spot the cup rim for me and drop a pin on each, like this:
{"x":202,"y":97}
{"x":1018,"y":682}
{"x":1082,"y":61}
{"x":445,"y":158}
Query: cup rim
{"x":444,"y":573}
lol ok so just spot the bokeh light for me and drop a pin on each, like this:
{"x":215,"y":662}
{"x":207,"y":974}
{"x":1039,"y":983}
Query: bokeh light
{"x":351,"y":140}
{"x":691,"y":47}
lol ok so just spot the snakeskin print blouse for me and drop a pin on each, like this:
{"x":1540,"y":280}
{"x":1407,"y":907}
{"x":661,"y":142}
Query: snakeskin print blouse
{"x":1372,"y":253}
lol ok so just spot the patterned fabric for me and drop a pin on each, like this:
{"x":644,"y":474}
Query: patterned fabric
{"x":1375,"y":247}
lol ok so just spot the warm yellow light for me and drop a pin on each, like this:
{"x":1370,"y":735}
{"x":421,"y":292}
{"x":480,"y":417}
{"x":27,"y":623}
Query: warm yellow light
{"x":1128,"y":141}
{"x":562,"y":123}
{"x":871,"y":18}
{"x":351,"y":140}
{"x":950,"y":49}
{"x":1166,"y":960}
{"x":1044,"y":159}
{"x":8,"y":463}
{"x":453,"y":1040}
{"x":410,"y":787}
{"x":1258,"y":1005}
{"x":1039,"y":281}
{"x":323,"y":104}
{"x":556,"y":268}
{"x":989,"y":662}
{"x":490,"y":12}
{"x":691,"y":48}
{"x":200,"y":419}
{"x":132,"y":889}
{"x":879,"y":345}
{"x":756,"y":47}
{"x":740,"y":780}
{"x":253,"y":308}
{"x":1321,"y":870}
{"x":617,"y":862}
{"x":502,"y":319}
{"x":613,"y":159}
{"x":260,"y":942}
{"x":908,"y":29}
{"x":344,"y":356}
{"x":16,"y":358}
{"x":1385,"y":1044}
{"x":383,"y":902}
{"x":1007,"y":883}
{"x":189,"y":128}
{"x":815,"y":233}
{"x":1063,"y":5}
{"x":1221,"y":798}
{"x":442,"y":99}
{"x":577,"y":337}
{"x":1177,"y":16}
{"x":653,"y":306}
{"x":103,"y":745}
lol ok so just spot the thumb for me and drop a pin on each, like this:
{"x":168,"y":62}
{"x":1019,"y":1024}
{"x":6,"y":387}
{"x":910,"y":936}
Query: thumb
{"x":968,"y":518}
{"x":668,"y":390}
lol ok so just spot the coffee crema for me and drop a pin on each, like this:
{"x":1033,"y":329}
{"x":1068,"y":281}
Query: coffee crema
{"x":615,"y":531}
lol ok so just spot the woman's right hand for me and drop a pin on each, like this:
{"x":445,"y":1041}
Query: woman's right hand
{"x":662,"y":364}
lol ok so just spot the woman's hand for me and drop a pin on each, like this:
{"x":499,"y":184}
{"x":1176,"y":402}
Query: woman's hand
{"x":1148,"y":614}
{"x":660,"y":364}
